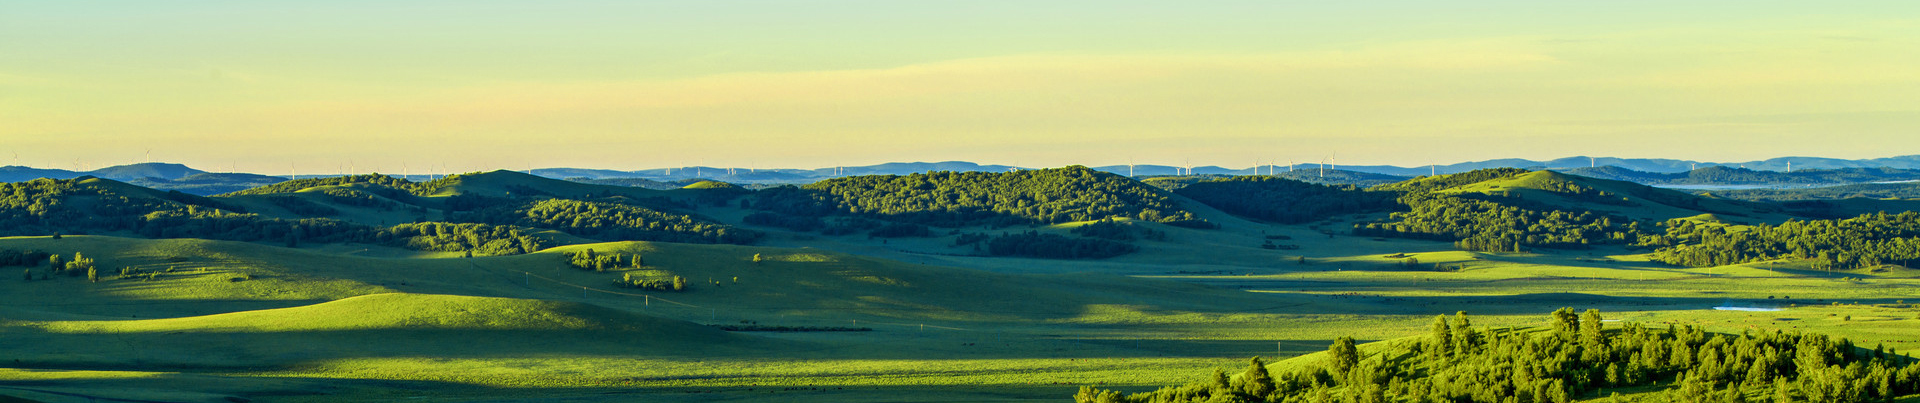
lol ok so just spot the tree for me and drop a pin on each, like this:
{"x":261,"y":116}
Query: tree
{"x":55,"y":263}
{"x":1440,"y":341}
{"x":1464,"y":337}
{"x":679,"y":283}
{"x":28,"y":273}
{"x":1565,"y":322}
{"x":1593,"y":337}
{"x":756,"y":258}
{"x":93,"y":275}
{"x":1342,"y":356}
{"x":1256,"y":382}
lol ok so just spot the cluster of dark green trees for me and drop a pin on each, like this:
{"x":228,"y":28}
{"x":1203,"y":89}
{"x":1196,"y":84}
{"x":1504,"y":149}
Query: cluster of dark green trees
{"x":56,"y":265}
{"x":600,"y":262}
{"x":1484,"y":225}
{"x":390,"y":187}
{"x":956,"y":199}
{"x":1285,"y":200}
{"x":1864,"y":241}
{"x":28,"y":258}
{"x":675,"y":284}
{"x":606,"y":220}
{"x":595,"y":261}
{"x":1574,"y":358}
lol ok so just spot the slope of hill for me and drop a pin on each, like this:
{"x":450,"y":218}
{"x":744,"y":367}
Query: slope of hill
{"x":1509,"y":209}
{"x":1627,"y":199}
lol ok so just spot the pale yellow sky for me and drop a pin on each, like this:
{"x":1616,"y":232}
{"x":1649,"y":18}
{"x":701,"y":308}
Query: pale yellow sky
{"x":482,"y":85}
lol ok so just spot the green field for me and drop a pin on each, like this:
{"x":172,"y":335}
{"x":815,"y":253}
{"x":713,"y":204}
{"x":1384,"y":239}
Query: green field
{"x":237,"y":319}
{"x":206,"y":321}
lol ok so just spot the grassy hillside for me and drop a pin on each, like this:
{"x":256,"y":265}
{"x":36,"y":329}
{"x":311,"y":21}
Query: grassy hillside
{"x":915,"y":318}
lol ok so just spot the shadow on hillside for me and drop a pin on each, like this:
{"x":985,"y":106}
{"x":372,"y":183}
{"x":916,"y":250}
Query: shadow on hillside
{"x":214,"y":348}
{"x":158,"y":309}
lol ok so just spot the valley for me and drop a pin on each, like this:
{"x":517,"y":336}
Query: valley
{"x":387,"y":315}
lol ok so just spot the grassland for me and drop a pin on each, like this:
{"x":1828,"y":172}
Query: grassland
{"x":206,"y":320}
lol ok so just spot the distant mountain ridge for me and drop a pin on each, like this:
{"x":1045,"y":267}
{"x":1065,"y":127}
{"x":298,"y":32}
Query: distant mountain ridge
{"x":1649,"y":165}
{"x":167,"y":176}
{"x":150,"y":170}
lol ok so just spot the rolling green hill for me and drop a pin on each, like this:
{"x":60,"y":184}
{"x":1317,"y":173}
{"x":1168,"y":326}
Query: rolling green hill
{"x":397,"y":311}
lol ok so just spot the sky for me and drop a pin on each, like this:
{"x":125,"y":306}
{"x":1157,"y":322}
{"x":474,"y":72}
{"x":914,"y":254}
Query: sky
{"x":328,"y":86}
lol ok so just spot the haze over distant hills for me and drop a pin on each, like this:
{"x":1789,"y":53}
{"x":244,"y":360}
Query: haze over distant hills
{"x":1805,"y":171}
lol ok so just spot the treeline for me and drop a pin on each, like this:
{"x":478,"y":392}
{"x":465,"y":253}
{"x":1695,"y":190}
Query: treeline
{"x":1574,"y":359}
{"x":606,"y":221}
{"x":956,"y":199}
{"x":1285,"y":200}
{"x":28,"y":258}
{"x":1864,"y":241}
{"x":600,"y":262}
